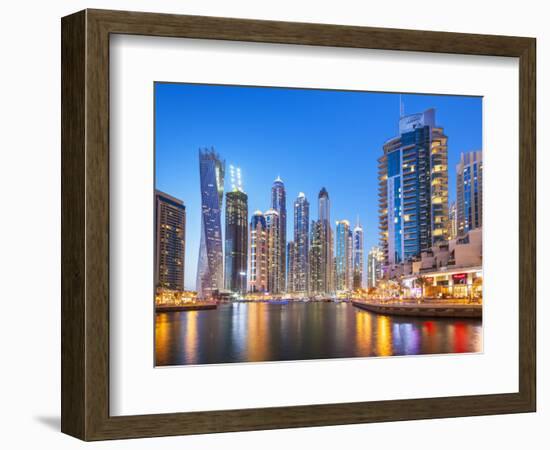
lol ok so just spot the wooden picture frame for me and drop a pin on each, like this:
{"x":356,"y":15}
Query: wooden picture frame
{"x":85,"y":224}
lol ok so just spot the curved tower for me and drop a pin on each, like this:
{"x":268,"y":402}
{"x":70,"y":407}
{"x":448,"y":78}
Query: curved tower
{"x":210,"y":264}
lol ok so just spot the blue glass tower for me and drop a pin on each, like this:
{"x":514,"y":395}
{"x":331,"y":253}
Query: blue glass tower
{"x":413,"y":189}
{"x":210,"y":264}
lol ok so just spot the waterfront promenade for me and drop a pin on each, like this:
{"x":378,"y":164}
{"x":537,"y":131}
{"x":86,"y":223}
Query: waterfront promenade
{"x":458,"y":309}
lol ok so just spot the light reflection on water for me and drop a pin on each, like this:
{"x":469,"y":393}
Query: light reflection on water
{"x":245,"y":332}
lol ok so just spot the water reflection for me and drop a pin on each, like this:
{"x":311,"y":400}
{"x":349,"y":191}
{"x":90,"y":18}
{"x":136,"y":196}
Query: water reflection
{"x":243,"y":332}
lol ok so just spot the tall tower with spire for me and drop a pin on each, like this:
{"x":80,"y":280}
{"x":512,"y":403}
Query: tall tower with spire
{"x":278,"y":203}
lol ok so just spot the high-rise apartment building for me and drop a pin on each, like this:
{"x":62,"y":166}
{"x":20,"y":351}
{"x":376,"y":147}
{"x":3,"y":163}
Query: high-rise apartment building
{"x":413,"y":189}
{"x":343,"y":259}
{"x":358,"y":260}
{"x":278,"y":203}
{"x":469,"y":192}
{"x":272,"y":220}
{"x":236,"y":235}
{"x":257,"y":254}
{"x":291,"y":267}
{"x":321,"y":253}
{"x":301,"y":244}
{"x":210,"y":263}
{"x":169,"y":242}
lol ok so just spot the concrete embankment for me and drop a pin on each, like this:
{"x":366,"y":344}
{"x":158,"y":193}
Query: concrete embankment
{"x":422,"y":309}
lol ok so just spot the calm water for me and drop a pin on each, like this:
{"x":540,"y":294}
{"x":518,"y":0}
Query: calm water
{"x":243,"y":332}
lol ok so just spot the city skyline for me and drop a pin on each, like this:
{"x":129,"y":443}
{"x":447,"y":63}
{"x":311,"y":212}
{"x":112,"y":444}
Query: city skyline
{"x":350,"y":196}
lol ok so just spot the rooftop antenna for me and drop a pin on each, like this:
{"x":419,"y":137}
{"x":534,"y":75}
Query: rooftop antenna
{"x":401,"y":106}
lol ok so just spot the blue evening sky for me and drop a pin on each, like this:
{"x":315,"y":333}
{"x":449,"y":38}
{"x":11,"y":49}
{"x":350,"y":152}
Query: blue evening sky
{"x":310,"y":138}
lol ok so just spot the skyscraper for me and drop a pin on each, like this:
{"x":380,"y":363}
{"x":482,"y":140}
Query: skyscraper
{"x":169,"y":242}
{"x":358,"y":256}
{"x":274,"y":259}
{"x":343,"y":258}
{"x":316,"y":268}
{"x":375,"y":260}
{"x":413,"y":188}
{"x":236,"y":235}
{"x":291,"y":267}
{"x":210,"y":264}
{"x":469,"y":192}
{"x":257,"y":254}
{"x":326,"y":261}
{"x":301,"y":242}
{"x":278,"y":203}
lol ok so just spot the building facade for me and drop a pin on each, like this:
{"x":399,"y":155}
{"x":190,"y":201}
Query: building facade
{"x":169,"y":242}
{"x":236,"y":241}
{"x":453,"y":222}
{"x":316,"y":268}
{"x":291,"y":267}
{"x":375,"y":260}
{"x":278,"y":203}
{"x":274,"y":269}
{"x":343,"y":259}
{"x":257,"y":254}
{"x":469,"y":189}
{"x":301,"y":244}
{"x":358,"y":257}
{"x":210,"y":263}
{"x":327,"y":245}
{"x":413,"y":189}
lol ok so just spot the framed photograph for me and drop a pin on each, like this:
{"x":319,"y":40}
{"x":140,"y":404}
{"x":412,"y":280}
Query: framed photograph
{"x":273,"y":225}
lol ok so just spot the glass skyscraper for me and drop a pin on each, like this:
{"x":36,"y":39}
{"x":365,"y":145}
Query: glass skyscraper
{"x":210,"y":264}
{"x":322,"y":249}
{"x":343,"y":259}
{"x":301,"y":244}
{"x":413,"y":188}
{"x":469,"y":184}
{"x":169,"y":242}
{"x":278,"y":203}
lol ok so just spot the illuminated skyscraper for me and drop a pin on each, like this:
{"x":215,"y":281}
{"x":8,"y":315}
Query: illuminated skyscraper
{"x":316,"y":268}
{"x":236,"y":235}
{"x":358,"y":256}
{"x":343,"y":258}
{"x":291,"y":267}
{"x":375,"y":261}
{"x":210,"y":264}
{"x":169,"y":242}
{"x":257,"y":254}
{"x":413,"y":189}
{"x":274,"y":268}
{"x":278,"y":203}
{"x":469,"y":192}
{"x":301,"y":243}
{"x":322,"y":249}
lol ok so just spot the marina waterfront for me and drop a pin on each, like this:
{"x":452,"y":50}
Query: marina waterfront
{"x":261,"y":331}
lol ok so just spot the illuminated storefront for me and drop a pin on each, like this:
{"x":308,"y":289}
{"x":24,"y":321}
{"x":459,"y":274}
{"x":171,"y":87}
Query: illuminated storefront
{"x":465,"y":283}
